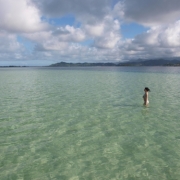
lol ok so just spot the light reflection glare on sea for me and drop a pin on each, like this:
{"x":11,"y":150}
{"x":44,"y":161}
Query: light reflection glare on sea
{"x":89,"y":123}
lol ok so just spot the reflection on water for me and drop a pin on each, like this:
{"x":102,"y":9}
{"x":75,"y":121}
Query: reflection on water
{"x":89,"y":123}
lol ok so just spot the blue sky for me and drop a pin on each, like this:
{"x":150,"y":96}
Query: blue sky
{"x":34,"y":32}
{"x":28,"y":45}
{"x":63,"y":21}
{"x":130,"y":30}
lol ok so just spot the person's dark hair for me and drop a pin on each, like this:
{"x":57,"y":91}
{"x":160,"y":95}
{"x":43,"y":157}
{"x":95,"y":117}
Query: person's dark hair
{"x":147,"y":89}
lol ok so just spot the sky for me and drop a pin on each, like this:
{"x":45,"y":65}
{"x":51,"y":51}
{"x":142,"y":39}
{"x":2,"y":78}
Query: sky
{"x":43,"y":32}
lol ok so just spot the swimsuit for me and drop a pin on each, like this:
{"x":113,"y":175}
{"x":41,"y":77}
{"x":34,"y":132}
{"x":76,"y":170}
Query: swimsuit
{"x":144,"y":98}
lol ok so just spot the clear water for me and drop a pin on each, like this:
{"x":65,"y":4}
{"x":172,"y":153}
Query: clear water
{"x":89,"y":123}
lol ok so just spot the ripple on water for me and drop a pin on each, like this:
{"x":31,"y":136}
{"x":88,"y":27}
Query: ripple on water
{"x":89,"y":124}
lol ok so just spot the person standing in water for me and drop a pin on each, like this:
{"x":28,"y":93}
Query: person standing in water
{"x":145,"y":96}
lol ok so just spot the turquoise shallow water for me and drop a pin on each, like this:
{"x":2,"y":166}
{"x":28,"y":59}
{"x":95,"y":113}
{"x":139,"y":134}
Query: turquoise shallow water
{"x":89,"y":123}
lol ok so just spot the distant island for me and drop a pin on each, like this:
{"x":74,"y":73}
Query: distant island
{"x":139,"y":62}
{"x":157,"y":62}
{"x":13,"y":66}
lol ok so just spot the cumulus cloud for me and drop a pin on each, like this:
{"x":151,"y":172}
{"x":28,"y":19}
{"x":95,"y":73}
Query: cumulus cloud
{"x":8,"y":43}
{"x":111,"y":34}
{"x":105,"y":35}
{"x":44,"y":41}
{"x":150,"y":13}
{"x":168,"y":36}
{"x":20,"y":17}
{"x":70,"y":34}
{"x":82,"y":9}
{"x":10,"y":49}
{"x":56,"y":39}
{"x":98,"y":22}
{"x":94,"y":30}
{"x":162,"y":41}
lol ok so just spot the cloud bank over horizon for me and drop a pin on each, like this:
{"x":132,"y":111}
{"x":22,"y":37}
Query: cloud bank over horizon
{"x":45,"y":32}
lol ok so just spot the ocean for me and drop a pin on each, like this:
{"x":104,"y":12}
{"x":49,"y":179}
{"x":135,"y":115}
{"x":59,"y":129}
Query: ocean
{"x":86,"y":123}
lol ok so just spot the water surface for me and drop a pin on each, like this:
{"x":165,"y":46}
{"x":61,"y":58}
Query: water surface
{"x":89,"y":123}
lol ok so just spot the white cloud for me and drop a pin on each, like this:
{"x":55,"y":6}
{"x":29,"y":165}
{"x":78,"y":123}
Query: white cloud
{"x":45,"y":41}
{"x":8,"y":43}
{"x":74,"y":34}
{"x":21,"y":16}
{"x":162,"y":41}
{"x":95,"y":22}
{"x":56,"y":40}
{"x":167,"y":37}
{"x":110,"y":35}
{"x":105,"y":35}
{"x":94,"y":30}
{"x":170,"y":36}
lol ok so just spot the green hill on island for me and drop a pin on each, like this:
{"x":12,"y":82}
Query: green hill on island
{"x":157,"y":62}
